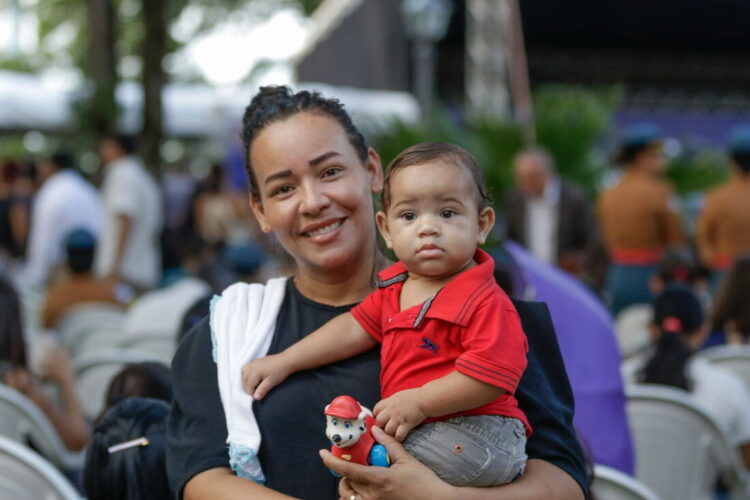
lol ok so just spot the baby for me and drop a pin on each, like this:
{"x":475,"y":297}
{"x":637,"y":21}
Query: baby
{"x":453,"y":350}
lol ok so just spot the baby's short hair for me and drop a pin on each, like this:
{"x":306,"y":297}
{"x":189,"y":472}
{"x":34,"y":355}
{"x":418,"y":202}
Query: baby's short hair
{"x":425,"y":152}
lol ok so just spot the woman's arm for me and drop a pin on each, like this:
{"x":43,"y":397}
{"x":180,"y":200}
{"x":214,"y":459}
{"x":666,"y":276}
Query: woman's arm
{"x":409,"y":479}
{"x":221,"y":484}
{"x":68,"y":421}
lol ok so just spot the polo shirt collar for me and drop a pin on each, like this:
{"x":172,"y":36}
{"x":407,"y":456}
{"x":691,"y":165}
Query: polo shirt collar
{"x":457,"y":299}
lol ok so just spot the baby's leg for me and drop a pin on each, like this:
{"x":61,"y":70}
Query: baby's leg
{"x":478,"y":451}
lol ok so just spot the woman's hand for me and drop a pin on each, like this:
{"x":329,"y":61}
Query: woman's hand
{"x":400,"y":413}
{"x":407,"y":478}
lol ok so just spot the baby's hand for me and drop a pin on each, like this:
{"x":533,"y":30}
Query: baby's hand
{"x":400,"y":413}
{"x":262,"y":375}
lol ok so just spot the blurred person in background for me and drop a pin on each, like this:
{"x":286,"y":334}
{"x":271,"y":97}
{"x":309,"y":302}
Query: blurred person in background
{"x":217,"y":218}
{"x":80,"y":286}
{"x":678,"y":330}
{"x":547,"y":215}
{"x":67,"y":418}
{"x":731,"y":309}
{"x":65,"y":201}
{"x":129,"y":246}
{"x":13,"y":213}
{"x":139,"y":380}
{"x":724,"y":223}
{"x":126,"y":457}
{"x":638,"y":218}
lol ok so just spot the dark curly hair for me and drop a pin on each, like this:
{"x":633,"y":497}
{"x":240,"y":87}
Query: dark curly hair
{"x":276,"y":103}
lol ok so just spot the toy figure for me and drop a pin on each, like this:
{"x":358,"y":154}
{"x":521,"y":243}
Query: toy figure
{"x":349,"y":427}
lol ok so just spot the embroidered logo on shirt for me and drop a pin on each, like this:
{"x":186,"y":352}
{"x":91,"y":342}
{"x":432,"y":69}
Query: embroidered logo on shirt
{"x":429,"y":345}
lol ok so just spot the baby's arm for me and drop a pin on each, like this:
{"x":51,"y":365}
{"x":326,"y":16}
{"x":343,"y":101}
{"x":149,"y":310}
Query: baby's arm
{"x":453,"y":393}
{"x":340,"y":338}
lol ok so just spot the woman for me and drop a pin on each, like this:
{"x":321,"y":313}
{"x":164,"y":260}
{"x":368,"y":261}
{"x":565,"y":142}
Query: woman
{"x":731,"y":316}
{"x":312,"y":177}
{"x":67,"y":420}
{"x":126,"y":456}
{"x":680,"y":330}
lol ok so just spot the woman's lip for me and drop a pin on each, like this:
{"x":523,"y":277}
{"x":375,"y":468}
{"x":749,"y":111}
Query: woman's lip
{"x":310,"y":228}
{"x":328,"y":235}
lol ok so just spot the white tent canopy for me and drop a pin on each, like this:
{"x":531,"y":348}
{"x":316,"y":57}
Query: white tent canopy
{"x":27,"y":102}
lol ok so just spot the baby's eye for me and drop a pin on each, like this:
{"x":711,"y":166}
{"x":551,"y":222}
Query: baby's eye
{"x":408,"y":216}
{"x":347,"y":424}
{"x":447,"y":213}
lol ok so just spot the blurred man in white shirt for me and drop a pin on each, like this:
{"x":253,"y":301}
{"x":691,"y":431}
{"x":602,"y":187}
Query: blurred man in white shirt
{"x":65,"y":202}
{"x":129,"y":245}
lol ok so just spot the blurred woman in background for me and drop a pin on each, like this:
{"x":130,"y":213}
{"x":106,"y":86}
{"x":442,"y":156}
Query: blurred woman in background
{"x":67,"y":418}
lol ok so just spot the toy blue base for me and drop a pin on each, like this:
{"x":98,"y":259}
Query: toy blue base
{"x":378,"y":457}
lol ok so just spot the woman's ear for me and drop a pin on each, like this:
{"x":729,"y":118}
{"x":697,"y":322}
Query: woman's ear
{"x":257,"y":207}
{"x":375,"y":170}
{"x":382,"y":221}
{"x":486,"y":223}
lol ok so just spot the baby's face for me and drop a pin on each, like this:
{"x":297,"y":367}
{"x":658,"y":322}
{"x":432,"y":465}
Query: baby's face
{"x":433,"y":223}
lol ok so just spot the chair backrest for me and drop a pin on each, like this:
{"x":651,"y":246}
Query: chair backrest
{"x":631,"y":328}
{"x":95,"y":370}
{"x":26,"y":474}
{"x":732,"y":357}
{"x":611,"y":484}
{"x":89,"y":319}
{"x":680,"y":449}
{"x":159,"y":343}
{"x":23,"y":422}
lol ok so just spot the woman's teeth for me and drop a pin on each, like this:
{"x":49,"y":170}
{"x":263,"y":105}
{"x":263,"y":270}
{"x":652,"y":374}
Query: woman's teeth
{"x":324,"y":230}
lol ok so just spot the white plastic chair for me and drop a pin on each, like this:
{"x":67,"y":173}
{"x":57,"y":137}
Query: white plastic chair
{"x":631,"y":328}
{"x":680,"y":450}
{"x":95,"y":370}
{"x":611,"y":484}
{"x":98,"y":319}
{"x":26,"y":474}
{"x":732,"y":357}
{"x":159,"y":343}
{"x":22,"y":421}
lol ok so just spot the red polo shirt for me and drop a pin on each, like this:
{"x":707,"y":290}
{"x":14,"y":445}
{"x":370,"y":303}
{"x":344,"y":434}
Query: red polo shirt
{"x":469,"y":326}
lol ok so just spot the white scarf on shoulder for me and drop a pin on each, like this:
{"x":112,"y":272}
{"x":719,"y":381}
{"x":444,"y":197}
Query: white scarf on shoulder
{"x":243,"y":320}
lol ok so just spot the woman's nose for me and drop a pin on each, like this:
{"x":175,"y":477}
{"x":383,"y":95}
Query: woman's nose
{"x":314,"y":200}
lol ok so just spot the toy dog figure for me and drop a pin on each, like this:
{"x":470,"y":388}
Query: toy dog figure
{"x":349,"y":427}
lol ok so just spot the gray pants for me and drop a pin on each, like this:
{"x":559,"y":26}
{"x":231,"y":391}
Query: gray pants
{"x":479,"y":451}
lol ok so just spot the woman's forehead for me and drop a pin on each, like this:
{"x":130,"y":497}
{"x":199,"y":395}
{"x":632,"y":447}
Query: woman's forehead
{"x":300,"y":138}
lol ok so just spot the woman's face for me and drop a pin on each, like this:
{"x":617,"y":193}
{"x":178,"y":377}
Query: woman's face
{"x":315,"y":193}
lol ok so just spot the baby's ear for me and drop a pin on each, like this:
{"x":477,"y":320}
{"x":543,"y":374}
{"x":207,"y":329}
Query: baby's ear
{"x":381,"y":219}
{"x":486,"y":222}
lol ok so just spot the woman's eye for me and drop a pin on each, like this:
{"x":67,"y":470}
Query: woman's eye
{"x":329,"y":172}
{"x":281,"y":190}
{"x":408,"y":216}
{"x":447,"y":214}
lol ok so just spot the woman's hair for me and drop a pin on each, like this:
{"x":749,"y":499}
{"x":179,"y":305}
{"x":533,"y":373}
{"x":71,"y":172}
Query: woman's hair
{"x":137,"y":468}
{"x":742,"y":160}
{"x":678,"y":265}
{"x":144,"y":380}
{"x":731,"y":299}
{"x":12,"y":345}
{"x":426,"y":152}
{"x":677,"y":315}
{"x":276,"y":103}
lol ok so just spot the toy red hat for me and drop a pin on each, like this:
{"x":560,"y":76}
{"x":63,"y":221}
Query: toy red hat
{"x":344,"y":407}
